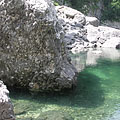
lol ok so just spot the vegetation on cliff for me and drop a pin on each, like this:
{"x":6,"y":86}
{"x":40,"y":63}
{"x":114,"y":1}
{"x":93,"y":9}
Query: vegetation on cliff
{"x":111,"y":10}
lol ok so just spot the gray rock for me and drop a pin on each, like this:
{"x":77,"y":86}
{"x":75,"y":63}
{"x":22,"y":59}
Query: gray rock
{"x":73,"y":23}
{"x":92,"y":20}
{"x":6,"y":107}
{"x":118,"y":46}
{"x":103,"y":36}
{"x":84,"y":32}
{"x":32,"y":50}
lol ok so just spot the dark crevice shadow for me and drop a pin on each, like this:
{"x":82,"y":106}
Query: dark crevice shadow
{"x":88,"y":94}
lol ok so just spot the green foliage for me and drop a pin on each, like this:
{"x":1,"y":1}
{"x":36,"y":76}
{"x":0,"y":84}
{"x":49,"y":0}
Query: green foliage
{"x":55,"y":3}
{"x":111,"y":10}
{"x":84,"y":5}
{"x":62,"y":2}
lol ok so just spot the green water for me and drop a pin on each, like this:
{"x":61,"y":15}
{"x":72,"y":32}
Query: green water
{"x":97,"y":96}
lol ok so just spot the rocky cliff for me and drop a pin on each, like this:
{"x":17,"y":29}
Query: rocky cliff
{"x":6,"y":107}
{"x":32,"y":50}
{"x":73,"y":23}
{"x":82,"y":32}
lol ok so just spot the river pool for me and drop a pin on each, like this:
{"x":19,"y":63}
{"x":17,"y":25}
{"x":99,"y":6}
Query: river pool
{"x":97,"y":96}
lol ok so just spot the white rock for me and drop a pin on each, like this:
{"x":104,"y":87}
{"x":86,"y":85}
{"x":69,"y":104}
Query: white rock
{"x":92,"y":20}
{"x":6,"y":107}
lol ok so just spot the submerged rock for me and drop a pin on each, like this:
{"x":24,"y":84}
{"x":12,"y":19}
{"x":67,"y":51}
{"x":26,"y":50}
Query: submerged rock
{"x":54,"y":115}
{"x":32,"y":51}
{"x":6,"y":107}
{"x":115,"y":116}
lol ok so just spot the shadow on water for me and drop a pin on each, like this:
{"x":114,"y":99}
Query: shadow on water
{"x":88,"y":94}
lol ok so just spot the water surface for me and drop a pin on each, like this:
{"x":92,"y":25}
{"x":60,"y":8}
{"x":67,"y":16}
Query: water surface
{"x":97,"y":96}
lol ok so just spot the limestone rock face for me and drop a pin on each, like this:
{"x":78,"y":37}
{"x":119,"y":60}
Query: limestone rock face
{"x":73,"y":23}
{"x":83,"y":32}
{"x":6,"y":107}
{"x":103,"y":36}
{"x":92,"y":20}
{"x":32,"y":51}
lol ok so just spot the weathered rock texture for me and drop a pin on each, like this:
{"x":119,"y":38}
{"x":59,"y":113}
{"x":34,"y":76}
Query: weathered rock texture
{"x":32,"y":51}
{"x":73,"y":23}
{"x":103,"y":36}
{"x":82,"y":32}
{"x":6,"y":107}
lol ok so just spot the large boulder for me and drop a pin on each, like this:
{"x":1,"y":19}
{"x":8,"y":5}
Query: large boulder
{"x":32,"y":51}
{"x":6,"y":107}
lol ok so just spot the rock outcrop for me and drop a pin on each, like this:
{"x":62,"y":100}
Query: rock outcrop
{"x":32,"y":50}
{"x":73,"y":23}
{"x":103,"y":36}
{"x":92,"y":21}
{"x":82,"y":32}
{"x":6,"y":107}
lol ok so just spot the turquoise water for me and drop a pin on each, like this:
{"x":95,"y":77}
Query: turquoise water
{"x":97,"y":96}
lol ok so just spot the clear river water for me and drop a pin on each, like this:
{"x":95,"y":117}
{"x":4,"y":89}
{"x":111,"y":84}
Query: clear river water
{"x":97,"y":96}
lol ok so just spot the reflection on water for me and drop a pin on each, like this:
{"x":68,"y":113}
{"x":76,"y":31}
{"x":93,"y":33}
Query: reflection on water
{"x":97,"y":96}
{"x":83,"y":59}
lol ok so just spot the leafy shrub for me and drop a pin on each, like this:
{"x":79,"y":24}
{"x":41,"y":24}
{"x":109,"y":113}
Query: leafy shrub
{"x":111,"y":10}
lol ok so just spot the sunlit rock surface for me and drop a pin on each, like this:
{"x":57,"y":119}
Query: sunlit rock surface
{"x":83,"y":32}
{"x":103,"y":36}
{"x":6,"y":107}
{"x":32,"y":51}
{"x":92,"y":20}
{"x":72,"y":22}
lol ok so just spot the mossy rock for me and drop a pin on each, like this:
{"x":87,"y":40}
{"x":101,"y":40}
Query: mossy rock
{"x":54,"y":115}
